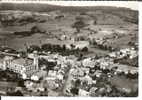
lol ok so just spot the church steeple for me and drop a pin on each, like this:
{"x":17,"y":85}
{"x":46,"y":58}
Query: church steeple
{"x":35,"y":63}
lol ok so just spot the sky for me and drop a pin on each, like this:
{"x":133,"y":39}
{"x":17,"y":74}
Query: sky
{"x":128,"y":4}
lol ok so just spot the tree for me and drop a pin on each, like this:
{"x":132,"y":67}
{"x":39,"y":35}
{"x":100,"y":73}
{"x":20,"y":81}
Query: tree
{"x":23,"y":54}
{"x":77,"y":83}
{"x":94,"y":42}
{"x":72,"y":46}
{"x":57,"y":48}
{"x":85,"y":49}
{"x":74,"y":91}
{"x":37,"y":29}
{"x":33,"y":48}
{"x":17,"y":93}
{"x":21,"y":83}
{"x":95,"y":20}
{"x":64,"y":47}
{"x":80,"y":56}
{"x":46,"y":47}
{"x":78,"y":25}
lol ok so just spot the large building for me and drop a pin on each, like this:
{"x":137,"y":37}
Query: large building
{"x":26,"y":67}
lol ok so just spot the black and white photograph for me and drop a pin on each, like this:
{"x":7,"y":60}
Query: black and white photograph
{"x":69,"y":49}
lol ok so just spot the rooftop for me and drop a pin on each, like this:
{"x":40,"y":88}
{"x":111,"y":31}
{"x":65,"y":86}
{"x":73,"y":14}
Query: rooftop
{"x":23,"y":61}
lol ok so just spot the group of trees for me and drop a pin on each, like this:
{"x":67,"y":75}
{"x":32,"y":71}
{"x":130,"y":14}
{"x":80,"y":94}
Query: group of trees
{"x":33,"y":30}
{"x":17,"y":93}
{"x":133,"y":44}
{"x":54,"y":48}
{"x":11,"y":20}
{"x":128,"y":61}
{"x":103,"y":47}
{"x":50,"y":65}
{"x":106,"y":88}
{"x":57,"y":48}
{"x":46,"y":48}
{"x":9,"y":75}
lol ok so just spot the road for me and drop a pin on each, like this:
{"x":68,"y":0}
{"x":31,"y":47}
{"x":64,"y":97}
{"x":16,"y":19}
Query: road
{"x":67,"y":82}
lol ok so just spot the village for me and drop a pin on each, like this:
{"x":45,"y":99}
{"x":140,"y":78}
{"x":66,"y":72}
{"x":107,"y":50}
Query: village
{"x":53,"y":74}
{"x":69,"y":53}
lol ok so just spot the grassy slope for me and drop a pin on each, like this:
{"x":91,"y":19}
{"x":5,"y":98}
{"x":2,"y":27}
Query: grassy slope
{"x":107,"y":16}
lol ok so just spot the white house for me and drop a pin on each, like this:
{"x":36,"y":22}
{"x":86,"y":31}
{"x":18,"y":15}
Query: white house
{"x":83,"y":92}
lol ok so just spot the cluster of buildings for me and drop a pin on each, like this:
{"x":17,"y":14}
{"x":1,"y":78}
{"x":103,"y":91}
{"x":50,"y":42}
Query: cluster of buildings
{"x":66,"y":70}
{"x":127,"y":52}
{"x":29,"y":69}
{"x":90,"y":69}
{"x":55,"y":78}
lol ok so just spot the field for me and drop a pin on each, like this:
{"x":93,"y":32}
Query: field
{"x":60,"y":22}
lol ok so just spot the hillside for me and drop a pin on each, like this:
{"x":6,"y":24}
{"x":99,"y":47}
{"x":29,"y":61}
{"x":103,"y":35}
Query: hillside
{"x":123,"y":12}
{"x":54,"y":21}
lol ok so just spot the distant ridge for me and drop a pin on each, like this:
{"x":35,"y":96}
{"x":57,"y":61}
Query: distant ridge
{"x":49,"y":7}
{"x":125,"y":13}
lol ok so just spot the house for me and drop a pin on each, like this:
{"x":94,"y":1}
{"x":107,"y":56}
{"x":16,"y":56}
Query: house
{"x":77,"y":72}
{"x":60,"y":76}
{"x":28,"y":84}
{"x":133,"y":53}
{"x":63,"y":37}
{"x":81,"y":44}
{"x":77,"y":44}
{"x":126,"y":69}
{"x":88,"y":63}
{"x":34,"y":86}
{"x":98,"y":73}
{"x":51,"y":83}
{"x":86,"y":70}
{"x":87,"y":79}
{"x":36,"y":76}
{"x":112,"y":55}
{"x":52,"y":73}
{"x":83,"y":92}
{"x":104,"y":65}
{"x":93,"y":91}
